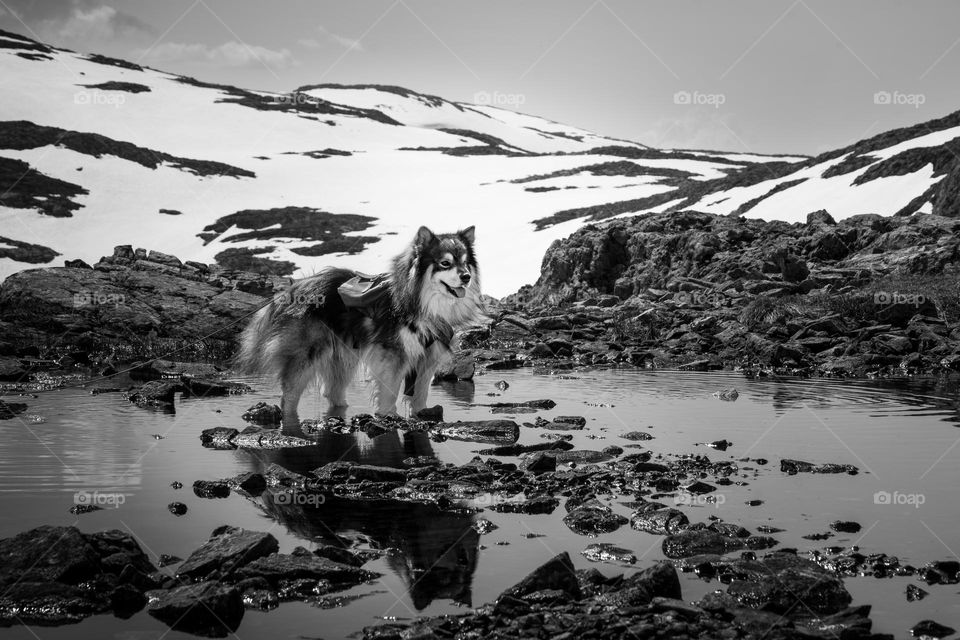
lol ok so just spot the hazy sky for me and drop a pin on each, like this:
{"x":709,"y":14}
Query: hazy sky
{"x":772,"y":76}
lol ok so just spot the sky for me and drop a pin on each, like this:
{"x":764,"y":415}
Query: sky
{"x":762,"y":76}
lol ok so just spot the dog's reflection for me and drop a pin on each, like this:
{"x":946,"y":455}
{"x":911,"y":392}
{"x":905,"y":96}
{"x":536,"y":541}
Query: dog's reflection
{"x":436,"y":551}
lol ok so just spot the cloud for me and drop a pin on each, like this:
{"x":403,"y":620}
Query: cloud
{"x":231,"y":54}
{"x":329,"y":36}
{"x":77,"y":22}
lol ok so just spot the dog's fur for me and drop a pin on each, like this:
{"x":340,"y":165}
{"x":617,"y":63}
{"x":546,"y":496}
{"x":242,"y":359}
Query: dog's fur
{"x":307,"y":331}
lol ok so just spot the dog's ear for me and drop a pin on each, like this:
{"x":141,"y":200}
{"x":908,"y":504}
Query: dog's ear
{"x":467,"y":235}
{"x":424,"y":237}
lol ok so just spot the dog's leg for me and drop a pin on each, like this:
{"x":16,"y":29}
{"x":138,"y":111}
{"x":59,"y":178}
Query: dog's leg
{"x":424,"y":376}
{"x":337,"y":373}
{"x":385,"y":369}
{"x":294,"y":378}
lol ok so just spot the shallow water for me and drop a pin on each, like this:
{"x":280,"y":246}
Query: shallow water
{"x":902,"y":435}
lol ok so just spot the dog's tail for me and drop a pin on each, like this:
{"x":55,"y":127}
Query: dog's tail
{"x":253,"y":356}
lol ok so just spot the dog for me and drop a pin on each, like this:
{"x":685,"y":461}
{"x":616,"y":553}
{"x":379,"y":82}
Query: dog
{"x":309,"y":332}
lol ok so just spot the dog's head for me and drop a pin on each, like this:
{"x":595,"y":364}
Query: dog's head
{"x":446,"y":267}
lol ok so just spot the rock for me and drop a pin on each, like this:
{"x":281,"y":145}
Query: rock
{"x":431,"y":414}
{"x":461,"y":366}
{"x":211,"y":489}
{"x":211,"y":388}
{"x":941,"y":572}
{"x":557,"y":573}
{"x":207,"y":608}
{"x":252,"y":483}
{"x":693,"y":542}
{"x":730,"y":395}
{"x":593,"y":518}
{"x":845,"y":527}
{"x":636,"y":436}
{"x":277,"y":568}
{"x":48,"y":554}
{"x":578,"y":421}
{"x":11,"y":370}
{"x":531,"y":404}
{"x":10,"y":409}
{"x":646,"y":587}
{"x":255,"y":438}
{"x":931,"y":629}
{"x":539,"y":462}
{"x":264,"y":414}
{"x":156,"y":393}
{"x":372,"y":473}
{"x":533,"y":506}
{"x":781,"y":582}
{"x":487,"y":431}
{"x":520,"y":449}
{"x":659,"y":522}
{"x":794,"y":467}
{"x":227,"y":549}
{"x":219,"y":437}
{"x":177,"y":508}
{"x":915,"y":593}
{"x":48,"y":603}
{"x":606,"y":552}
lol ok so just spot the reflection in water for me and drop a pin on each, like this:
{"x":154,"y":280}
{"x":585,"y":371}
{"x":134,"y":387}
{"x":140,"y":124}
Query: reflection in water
{"x":437,"y":550}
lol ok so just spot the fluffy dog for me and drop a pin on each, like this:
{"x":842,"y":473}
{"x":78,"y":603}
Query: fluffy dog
{"x":309,"y":331}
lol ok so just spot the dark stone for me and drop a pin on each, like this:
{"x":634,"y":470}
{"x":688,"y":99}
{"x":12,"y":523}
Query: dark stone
{"x":211,"y":489}
{"x":486,"y":431}
{"x":277,"y":568}
{"x":226,"y":550}
{"x":931,"y":629}
{"x":209,"y":609}
{"x":177,"y":508}
{"x":264,"y":414}
{"x":782,"y":582}
{"x":557,"y":573}
{"x":845,"y":526}
{"x":660,"y":522}
{"x":593,"y":518}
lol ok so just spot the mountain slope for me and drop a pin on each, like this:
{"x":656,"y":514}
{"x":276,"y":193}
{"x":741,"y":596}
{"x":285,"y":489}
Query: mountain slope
{"x":97,"y":152}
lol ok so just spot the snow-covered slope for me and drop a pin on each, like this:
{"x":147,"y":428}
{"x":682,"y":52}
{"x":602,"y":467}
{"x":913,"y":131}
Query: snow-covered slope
{"x":96,"y":152}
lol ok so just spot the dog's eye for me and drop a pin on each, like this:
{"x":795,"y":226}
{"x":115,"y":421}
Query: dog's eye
{"x":445,"y":264}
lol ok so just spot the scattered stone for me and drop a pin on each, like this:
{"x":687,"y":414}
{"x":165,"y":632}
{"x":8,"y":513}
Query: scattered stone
{"x":593,"y":518}
{"x":915,"y":593}
{"x":264,"y":414}
{"x":845,"y":526}
{"x":794,"y":467}
{"x":606,"y":552}
{"x":177,"y":508}
{"x":931,"y":629}
{"x":211,"y":489}
{"x":487,"y":431}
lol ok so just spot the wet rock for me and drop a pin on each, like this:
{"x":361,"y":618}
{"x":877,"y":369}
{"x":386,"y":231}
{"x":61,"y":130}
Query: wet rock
{"x":606,"y":552}
{"x":211,"y":489}
{"x":249,"y":482}
{"x":845,"y":526}
{"x":915,"y":593}
{"x":177,"y":508}
{"x":256,"y":438}
{"x":794,"y":467}
{"x":931,"y":629}
{"x":48,"y":554}
{"x":11,"y":370}
{"x":636,"y":436}
{"x":227,"y":549}
{"x":486,"y":431}
{"x":218,"y":438}
{"x":520,"y":449}
{"x":156,"y":393}
{"x":211,"y":388}
{"x":539,"y":462}
{"x":941,"y":572}
{"x":729,"y":395}
{"x":533,"y":506}
{"x":782,"y":582}
{"x":278,"y":568}
{"x":264,"y":414}
{"x":532,"y":404}
{"x":557,"y":573}
{"x":646,"y":587}
{"x":693,"y":542}
{"x":48,"y":603}
{"x":484,"y":526}
{"x":660,"y":522}
{"x":593,"y":518}
{"x":461,"y":366}
{"x":165,"y":560}
{"x":80,"y":509}
{"x":699,"y":488}
{"x":206,"y":608}
{"x":431,"y":414}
